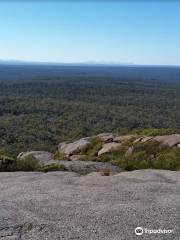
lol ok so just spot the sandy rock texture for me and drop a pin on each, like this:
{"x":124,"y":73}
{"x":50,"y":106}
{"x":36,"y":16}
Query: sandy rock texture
{"x":63,"y":205}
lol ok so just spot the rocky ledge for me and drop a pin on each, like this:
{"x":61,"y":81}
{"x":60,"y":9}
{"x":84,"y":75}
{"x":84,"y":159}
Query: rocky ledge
{"x":86,"y":154}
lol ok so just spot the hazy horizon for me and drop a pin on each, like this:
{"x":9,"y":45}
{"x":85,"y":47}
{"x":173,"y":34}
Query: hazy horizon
{"x":139,"y":33}
{"x":83,"y":63}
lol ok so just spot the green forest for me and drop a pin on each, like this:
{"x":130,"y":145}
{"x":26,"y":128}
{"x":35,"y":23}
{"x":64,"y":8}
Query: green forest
{"x":39,"y":111}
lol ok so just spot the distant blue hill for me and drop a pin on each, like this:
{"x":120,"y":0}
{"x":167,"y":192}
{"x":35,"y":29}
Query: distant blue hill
{"x":12,"y":70}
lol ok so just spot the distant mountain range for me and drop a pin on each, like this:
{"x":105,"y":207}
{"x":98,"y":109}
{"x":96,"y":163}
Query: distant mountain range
{"x":85,"y":63}
{"x":20,"y":62}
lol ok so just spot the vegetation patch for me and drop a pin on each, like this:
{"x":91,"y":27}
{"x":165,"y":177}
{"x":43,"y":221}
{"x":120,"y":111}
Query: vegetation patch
{"x":169,"y":160}
{"x":39,"y":113}
{"x":6,"y":163}
{"x":146,"y":155}
{"x":59,"y":156}
{"x":129,"y":156}
{"x":53,"y":167}
{"x":29,"y":163}
{"x":156,"y":131}
{"x":90,"y":152}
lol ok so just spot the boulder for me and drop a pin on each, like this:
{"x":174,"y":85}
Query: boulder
{"x":123,"y":138}
{"x":74,"y":147}
{"x":106,"y":137}
{"x":43,"y":157}
{"x":170,"y":140}
{"x":138,"y":139}
{"x":145,"y":139}
{"x":107,"y":147}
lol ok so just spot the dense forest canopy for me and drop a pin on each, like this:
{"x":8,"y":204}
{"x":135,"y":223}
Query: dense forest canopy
{"x":43,"y":105}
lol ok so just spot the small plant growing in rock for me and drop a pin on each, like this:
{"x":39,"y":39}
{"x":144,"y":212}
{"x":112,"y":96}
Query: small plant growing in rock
{"x":90,"y":152}
{"x":59,"y":156}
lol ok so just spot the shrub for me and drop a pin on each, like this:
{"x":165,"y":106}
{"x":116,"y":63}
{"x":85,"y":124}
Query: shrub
{"x":59,"y":156}
{"x":114,"y":156}
{"x":150,"y":154}
{"x":6,"y":163}
{"x":170,"y":160}
{"x":91,"y":150}
{"x":150,"y":147}
{"x":29,"y":163}
{"x":138,"y":160}
{"x":156,"y":131}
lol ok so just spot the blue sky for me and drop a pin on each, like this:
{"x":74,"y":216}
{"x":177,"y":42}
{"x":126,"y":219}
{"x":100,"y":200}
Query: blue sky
{"x":105,"y":31}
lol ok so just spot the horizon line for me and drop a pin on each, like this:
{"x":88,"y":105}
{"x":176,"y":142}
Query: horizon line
{"x":86,"y":63}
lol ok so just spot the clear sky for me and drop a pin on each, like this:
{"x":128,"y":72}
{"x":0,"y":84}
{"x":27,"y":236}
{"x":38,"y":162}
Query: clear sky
{"x":143,"y":32}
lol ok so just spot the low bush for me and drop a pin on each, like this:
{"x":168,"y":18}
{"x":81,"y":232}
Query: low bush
{"x":150,"y":147}
{"x":90,"y":152}
{"x":138,"y":160}
{"x":150,"y":154}
{"x":115,"y":156}
{"x":9,"y":164}
{"x":156,"y":131}
{"x":29,"y":163}
{"x":169,"y":160}
{"x":59,"y":156}
{"x":6,"y":163}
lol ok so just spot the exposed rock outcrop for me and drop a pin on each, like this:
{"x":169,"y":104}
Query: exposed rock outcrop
{"x":106,"y":137}
{"x":145,"y":139}
{"x":112,"y":142}
{"x":138,"y":140}
{"x":43,"y":157}
{"x":107,"y":147}
{"x":74,"y":147}
{"x":170,"y":140}
{"x":75,"y":165}
{"x":74,"y":155}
